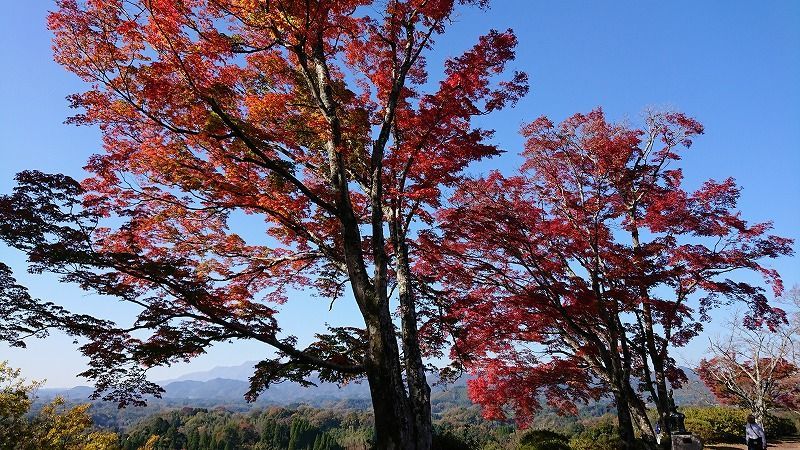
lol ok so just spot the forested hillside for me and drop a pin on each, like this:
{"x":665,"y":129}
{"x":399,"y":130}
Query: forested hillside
{"x":213,"y":415}
{"x":456,"y":428}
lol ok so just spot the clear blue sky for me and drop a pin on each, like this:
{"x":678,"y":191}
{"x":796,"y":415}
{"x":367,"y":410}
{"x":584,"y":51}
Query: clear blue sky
{"x":734,"y":65}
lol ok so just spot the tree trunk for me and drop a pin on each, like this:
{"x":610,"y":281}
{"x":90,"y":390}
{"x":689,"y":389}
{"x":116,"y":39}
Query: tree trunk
{"x":626,"y":431}
{"x":641,"y":420}
{"x":418,"y":389}
{"x":651,"y":349}
{"x":657,"y":358}
{"x":616,"y":363}
{"x":394,"y":421}
{"x":760,"y":411}
{"x":639,"y":415}
{"x":662,"y":402}
{"x":394,"y":417}
{"x":621,"y":365}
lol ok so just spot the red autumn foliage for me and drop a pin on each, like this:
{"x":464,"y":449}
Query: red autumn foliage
{"x":734,"y":383}
{"x":585,"y":268}
{"x":755,"y":368}
{"x":312,"y":115}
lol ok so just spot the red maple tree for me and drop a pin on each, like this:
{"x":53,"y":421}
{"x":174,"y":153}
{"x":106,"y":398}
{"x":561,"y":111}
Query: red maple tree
{"x":313,"y":115}
{"x":583,"y":270}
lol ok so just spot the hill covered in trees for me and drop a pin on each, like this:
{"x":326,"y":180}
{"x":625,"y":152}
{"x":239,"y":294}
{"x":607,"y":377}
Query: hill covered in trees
{"x":198,"y":412}
{"x":223,"y":421}
{"x":456,"y":428}
{"x":227,"y":385}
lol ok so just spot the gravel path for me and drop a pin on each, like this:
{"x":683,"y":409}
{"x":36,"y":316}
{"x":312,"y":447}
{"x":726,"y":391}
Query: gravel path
{"x":788,"y":444}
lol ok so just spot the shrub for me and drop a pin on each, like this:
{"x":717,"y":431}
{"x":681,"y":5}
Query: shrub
{"x":492,"y":446}
{"x":725,"y":424}
{"x":701,"y":428}
{"x":602,"y":442}
{"x":716,"y":424}
{"x":792,"y":422}
{"x":548,"y":445}
{"x":604,"y":436}
{"x":447,"y":440}
{"x":777,"y":426}
{"x":536,"y":436}
{"x":543,"y":440}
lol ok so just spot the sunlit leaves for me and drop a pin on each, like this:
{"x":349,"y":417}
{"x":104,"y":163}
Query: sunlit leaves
{"x":594,"y":246}
{"x":312,"y":116}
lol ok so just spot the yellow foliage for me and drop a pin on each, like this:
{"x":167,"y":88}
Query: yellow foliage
{"x":151,"y":443}
{"x":54,"y":428}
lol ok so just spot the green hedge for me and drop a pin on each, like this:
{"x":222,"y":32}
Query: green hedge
{"x":602,"y":442}
{"x":779,"y":425}
{"x":604,"y":436}
{"x":716,"y":424}
{"x":543,"y":440}
{"x":447,"y":440}
{"x":702,"y":429}
{"x":724,"y":424}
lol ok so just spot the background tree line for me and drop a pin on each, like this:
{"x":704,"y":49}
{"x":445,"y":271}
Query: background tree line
{"x":458,"y":425}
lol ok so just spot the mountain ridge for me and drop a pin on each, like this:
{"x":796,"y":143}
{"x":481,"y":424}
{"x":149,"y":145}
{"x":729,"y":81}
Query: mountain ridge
{"x":238,"y":372}
{"x":228,"y":384}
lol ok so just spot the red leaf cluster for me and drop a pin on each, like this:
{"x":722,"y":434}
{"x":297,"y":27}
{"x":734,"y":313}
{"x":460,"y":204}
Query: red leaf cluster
{"x":594,"y":252}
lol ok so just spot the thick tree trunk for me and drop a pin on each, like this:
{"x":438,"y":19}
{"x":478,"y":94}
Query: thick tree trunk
{"x":661,"y":391}
{"x":394,"y":417}
{"x":625,"y":396}
{"x":418,"y":389}
{"x":639,"y":415}
{"x":656,"y":352}
{"x":626,"y":431}
{"x":621,"y":364}
{"x":631,"y":409}
{"x":662,"y":401}
{"x":618,"y":362}
{"x":394,"y":420}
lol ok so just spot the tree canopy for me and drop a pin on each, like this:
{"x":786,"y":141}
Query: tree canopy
{"x":317,"y":117}
{"x":593,"y":257}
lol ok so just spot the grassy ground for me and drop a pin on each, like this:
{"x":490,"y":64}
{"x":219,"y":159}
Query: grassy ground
{"x":786,"y":444}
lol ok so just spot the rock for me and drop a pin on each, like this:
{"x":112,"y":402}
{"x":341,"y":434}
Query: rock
{"x":686,"y":442}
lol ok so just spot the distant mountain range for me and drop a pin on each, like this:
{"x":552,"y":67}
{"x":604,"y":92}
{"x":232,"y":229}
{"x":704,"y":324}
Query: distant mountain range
{"x":227,"y":385}
{"x":241,"y":372}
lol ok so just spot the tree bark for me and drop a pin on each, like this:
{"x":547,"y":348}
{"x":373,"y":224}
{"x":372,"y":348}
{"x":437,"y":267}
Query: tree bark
{"x":419,"y":391}
{"x":624,"y":419}
{"x":640,"y":419}
{"x":394,"y":427}
{"x":402,"y":417}
{"x":394,"y":416}
{"x":655,"y":353}
{"x":652,"y":350}
{"x":760,"y":410}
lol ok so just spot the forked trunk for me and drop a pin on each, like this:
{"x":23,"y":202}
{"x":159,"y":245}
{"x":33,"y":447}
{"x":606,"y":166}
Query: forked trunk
{"x":394,"y":421}
{"x":418,"y":389}
{"x":402,"y":421}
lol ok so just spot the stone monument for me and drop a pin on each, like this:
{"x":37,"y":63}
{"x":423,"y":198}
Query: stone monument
{"x":680,"y":438}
